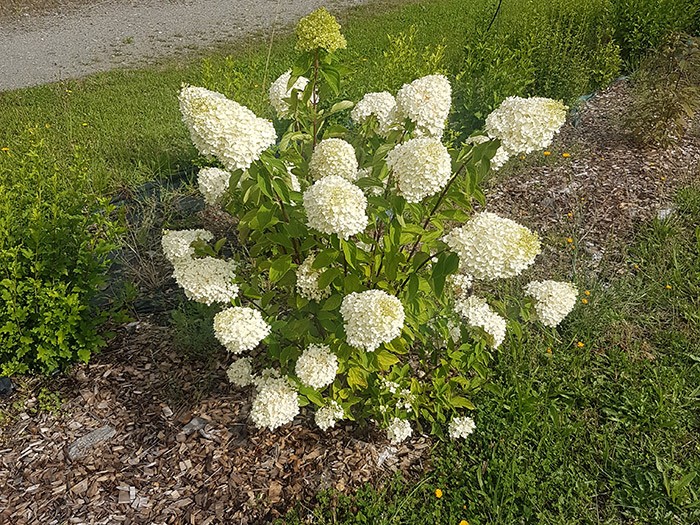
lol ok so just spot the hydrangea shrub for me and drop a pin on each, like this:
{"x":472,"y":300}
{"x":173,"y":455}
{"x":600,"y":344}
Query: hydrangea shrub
{"x":353,"y":292}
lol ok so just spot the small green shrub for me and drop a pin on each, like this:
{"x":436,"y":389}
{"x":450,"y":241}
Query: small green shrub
{"x":55,"y":241}
{"x":404,"y":60}
{"x":666,"y":92}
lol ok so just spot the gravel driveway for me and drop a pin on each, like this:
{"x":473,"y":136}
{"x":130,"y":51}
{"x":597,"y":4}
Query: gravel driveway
{"x":70,"y":39}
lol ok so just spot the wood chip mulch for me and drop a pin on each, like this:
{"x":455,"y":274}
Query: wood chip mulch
{"x":184,"y":449}
{"x":606,"y":187}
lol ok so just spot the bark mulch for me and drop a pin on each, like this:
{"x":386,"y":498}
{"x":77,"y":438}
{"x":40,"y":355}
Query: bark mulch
{"x":182,"y":449}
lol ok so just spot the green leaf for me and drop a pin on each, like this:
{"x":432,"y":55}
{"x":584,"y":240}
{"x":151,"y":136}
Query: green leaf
{"x":385,"y":359}
{"x":312,"y":395}
{"x":332,"y":302}
{"x":341,"y":106}
{"x":279,"y":267}
{"x":462,"y":402}
{"x":357,"y":377}
{"x":349,"y":251}
{"x":328,"y":276}
{"x":325,"y":258}
{"x":332,"y":77}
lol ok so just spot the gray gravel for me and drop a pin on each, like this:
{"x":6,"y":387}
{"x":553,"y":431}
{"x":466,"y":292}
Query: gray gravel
{"x":70,"y":43}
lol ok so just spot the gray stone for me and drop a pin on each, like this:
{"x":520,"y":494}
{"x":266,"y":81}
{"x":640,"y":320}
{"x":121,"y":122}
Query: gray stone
{"x":83,"y":445}
{"x":197,"y":423}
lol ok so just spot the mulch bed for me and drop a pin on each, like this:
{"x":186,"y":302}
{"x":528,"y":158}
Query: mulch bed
{"x":184,"y":450}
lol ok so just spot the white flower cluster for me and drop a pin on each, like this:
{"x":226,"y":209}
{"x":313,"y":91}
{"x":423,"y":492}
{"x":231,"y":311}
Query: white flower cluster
{"x":493,"y":247}
{"x":553,"y":300}
{"x":213,"y":183}
{"x":461,"y":427}
{"x":279,"y":92}
{"x":382,"y":106}
{"x":307,"y":281}
{"x":224,"y":129}
{"x":422,"y":167}
{"x":275,"y":404}
{"x":525,"y":124}
{"x":328,"y":415}
{"x":406,"y":398}
{"x":240,"y":373}
{"x":460,"y":284}
{"x":335,"y":205}
{"x":479,"y":314}
{"x":371,"y":318}
{"x":239,"y":328}
{"x":426,"y":101}
{"x":398,"y":430}
{"x":208,"y":280}
{"x":317,"y":366}
{"x":266,"y":376}
{"x":177,"y":244}
{"x":333,"y":157}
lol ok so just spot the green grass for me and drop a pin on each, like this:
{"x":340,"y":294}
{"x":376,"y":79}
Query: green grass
{"x":128,"y":123}
{"x":606,"y":433}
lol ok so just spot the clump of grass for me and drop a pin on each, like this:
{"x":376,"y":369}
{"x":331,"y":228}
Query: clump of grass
{"x":666,"y":92}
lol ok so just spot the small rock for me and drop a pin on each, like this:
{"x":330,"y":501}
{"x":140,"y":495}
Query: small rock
{"x":664,"y":213}
{"x":82,"y":446}
{"x":197,"y":423}
{"x":6,"y":386}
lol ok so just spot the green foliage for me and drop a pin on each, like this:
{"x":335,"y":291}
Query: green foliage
{"x":403,"y":60}
{"x":55,"y":241}
{"x":607,"y":433}
{"x":426,"y":372}
{"x":666,"y":92}
{"x":641,"y":25}
{"x":561,"y":50}
{"x":193,"y":334}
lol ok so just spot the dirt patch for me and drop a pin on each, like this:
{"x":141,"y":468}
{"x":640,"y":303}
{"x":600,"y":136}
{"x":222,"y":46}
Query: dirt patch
{"x":184,"y":449}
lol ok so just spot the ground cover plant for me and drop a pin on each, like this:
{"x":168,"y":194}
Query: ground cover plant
{"x":55,"y":244}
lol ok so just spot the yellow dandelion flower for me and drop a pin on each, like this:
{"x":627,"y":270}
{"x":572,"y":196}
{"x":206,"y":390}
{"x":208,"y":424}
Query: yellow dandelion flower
{"x":546,"y":153}
{"x":587,"y":292}
{"x":438,"y":493}
{"x":549,"y":351}
{"x":464,"y":522}
{"x":85,"y":124}
{"x":5,"y":149}
{"x":584,"y":300}
{"x":580,"y":344}
{"x":566,"y":155}
{"x":569,"y":240}
{"x":668,"y":287}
